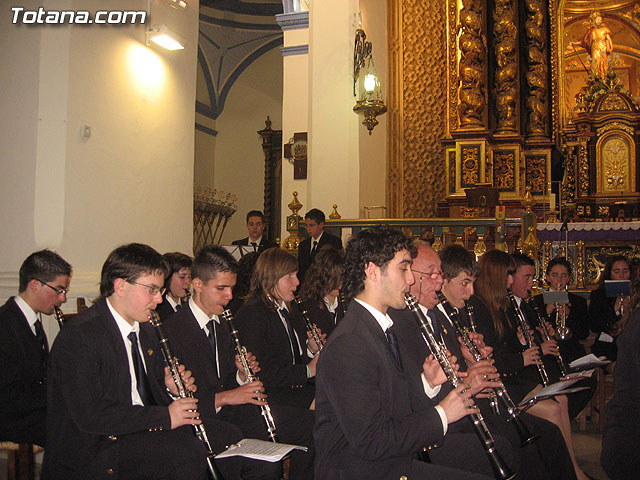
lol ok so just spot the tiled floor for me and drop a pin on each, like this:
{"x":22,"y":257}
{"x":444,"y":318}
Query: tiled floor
{"x":587,"y":446}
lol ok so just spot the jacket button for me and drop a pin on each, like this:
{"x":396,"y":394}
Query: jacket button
{"x":110,"y":471}
{"x":112,"y":437}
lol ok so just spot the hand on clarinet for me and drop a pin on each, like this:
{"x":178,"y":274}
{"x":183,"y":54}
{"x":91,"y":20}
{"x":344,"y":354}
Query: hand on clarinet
{"x":250,"y":393}
{"x":311,"y":342}
{"x":531,"y":356}
{"x":433,"y":372}
{"x":478,"y":339}
{"x":549,"y":330}
{"x":550,"y":347}
{"x":184,"y":411}
{"x":254,"y":365}
{"x":481,"y":375}
{"x":187,"y":380}
{"x":458,"y":404}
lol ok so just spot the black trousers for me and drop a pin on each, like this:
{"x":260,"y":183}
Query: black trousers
{"x":30,"y":428}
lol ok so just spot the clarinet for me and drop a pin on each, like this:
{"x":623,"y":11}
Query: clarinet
{"x":343,"y":302}
{"x":564,"y":371}
{"x":498,"y":393}
{"x":524,"y":327}
{"x":59,"y":316}
{"x":439,"y":351}
{"x":242,"y":355}
{"x":311,"y":327}
{"x":172,"y":364}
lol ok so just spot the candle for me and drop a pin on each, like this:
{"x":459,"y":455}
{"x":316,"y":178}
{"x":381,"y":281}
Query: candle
{"x":552,"y":202}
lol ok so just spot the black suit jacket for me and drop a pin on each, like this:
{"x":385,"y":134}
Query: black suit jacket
{"x":263,"y":245}
{"x":321,"y":316}
{"x":23,"y":389}
{"x":192,"y":347}
{"x":164,"y":309}
{"x":304,"y":250}
{"x":367,"y":424}
{"x":264,"y":335}
{"x":89,"y":396}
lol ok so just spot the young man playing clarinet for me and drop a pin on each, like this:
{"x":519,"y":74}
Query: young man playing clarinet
{"x":24,"y":349}
{"x":109,"y":411}
{"x":368,"y":423}
{"x":201,"y":339}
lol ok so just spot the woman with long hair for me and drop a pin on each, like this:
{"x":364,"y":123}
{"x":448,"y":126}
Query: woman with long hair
{"x":516,"y":363}
{"x":605,"y":313}
{"x":622,"y":430}
{"x":278,"y":338}
{"x":320,"y":291}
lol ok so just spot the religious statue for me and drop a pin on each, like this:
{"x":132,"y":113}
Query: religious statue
{"x":597,"y":41}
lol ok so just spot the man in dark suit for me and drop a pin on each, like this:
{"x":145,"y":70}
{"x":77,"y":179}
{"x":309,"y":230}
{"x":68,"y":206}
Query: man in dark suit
{"x":255,"y":240}
{"x":109,"y":414}
{"x":314,"y":222}
{"x":206,"y":346}
{"x":177,"y":284}
{"x":43,"y":283}
{"x":368,"y":425}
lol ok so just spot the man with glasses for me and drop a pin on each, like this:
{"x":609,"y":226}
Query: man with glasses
{"x":24,"y":349}
{"x":110,"y":412}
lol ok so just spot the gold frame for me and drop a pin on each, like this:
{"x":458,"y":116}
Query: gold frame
{"x":547,"y":153}
{"x":631,"y":164}
{"x":482,"y":161}
{"x":517,"y":174}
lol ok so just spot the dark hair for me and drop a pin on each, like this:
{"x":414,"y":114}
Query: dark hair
{"x":175,"y":261}
{"x":255,"y":213}
{"x":606,"y":271}
{"x":315,"y":214}
{"x":455,"y":259}
{"x":521,"y":260}
{"x":246,"y":266}
{"x":377,"y":244}
{"x":210,"y":260}
{"x":560,"y":261}
{"x":323,"y":275}
{"x":43,"y":265}
{"x":130,"y":262}
{"x":273,"y":264}
{"x":491,"y":285}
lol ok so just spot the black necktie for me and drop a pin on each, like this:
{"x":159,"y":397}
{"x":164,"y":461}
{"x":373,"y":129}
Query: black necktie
{"x":211,"y":326}
{"x":297,"y":358}
{"x":178,"y":306}
{"x":42,"y":338}
{"x":393,"y":343}
{"x":334,"y":314}
{"x":314,"y":247}
{"x":142,"y":383}
{"x":434,"y":325}
{"x":255,"y":246}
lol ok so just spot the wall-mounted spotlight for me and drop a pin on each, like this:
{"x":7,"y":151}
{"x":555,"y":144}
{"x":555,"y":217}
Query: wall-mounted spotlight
{"x":179,"y":4}
{"x":164,"y":37}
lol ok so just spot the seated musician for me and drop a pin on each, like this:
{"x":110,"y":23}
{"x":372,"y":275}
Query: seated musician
{"x":576,"y":319}
{"x":368,"y":422}
{"x":177,"y":283}
{"x":255,"y":227}
{"x":320,"y":291}
{"x":521,"y":366}
{"x":459,"y":272}
{"x":276,"y":337}
{"x":24,"y":350}
{"x":620,"y":458}
{"x":201,"y":339}
{"x":109,"y":413}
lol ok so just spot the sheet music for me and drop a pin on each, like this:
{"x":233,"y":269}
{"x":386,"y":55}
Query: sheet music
{"x":259,"y":450}
{"x":588,"y":361}
{"x":557,"y":388}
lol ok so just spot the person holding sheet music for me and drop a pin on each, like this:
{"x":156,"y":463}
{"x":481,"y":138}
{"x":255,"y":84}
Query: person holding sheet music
{"x":605,"y":313}
{"x":496,"y":320}
{"x":622,"y":430}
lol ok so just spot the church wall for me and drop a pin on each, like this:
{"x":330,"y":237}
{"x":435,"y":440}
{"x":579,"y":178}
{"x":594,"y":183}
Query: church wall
{"x":131,"y":180}
{"x":239,"y":161}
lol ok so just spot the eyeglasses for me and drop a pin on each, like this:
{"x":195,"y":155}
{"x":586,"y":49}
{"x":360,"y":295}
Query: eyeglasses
{"x":432,"y":275}
{"x":153,"y":290}
{"x":59,"y":291}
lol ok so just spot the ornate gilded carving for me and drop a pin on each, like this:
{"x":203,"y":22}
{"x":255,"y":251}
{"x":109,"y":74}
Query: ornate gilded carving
{"x":470,"y":165}
{"x":603,"y":211}
{"x":555,"y":91}
{"x":537,"y":74}
{"x":452,"y":64}
{"x":536,"y":173}
{"x":452,"y":170}
{"x":506,"y":74}
{"x":480,"y":248}
{"x":469,"y":212}
{"x":472,"y":46}
{"x":546,"y":256}
{"x":583,"y":170}
{"x":614,"y":162}
{"x":417,"y":32}
{"x":504,"y":170}
{"x":614,"y":102}
{"x":568,"y":186}
{"x":580,"y":264}
{"x":615,"y":126}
